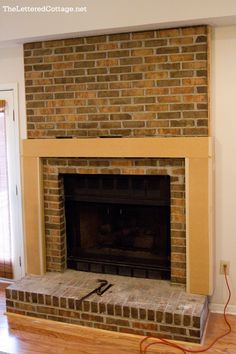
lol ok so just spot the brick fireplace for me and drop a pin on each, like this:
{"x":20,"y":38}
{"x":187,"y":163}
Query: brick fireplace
{"x":192,"y":199}
{"x":168,"y":311}
{"x":54,"y":211}
{"x":123,"y":104}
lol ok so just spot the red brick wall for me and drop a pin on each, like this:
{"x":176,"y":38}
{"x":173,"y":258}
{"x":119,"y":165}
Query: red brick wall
{"x":150,"y":83}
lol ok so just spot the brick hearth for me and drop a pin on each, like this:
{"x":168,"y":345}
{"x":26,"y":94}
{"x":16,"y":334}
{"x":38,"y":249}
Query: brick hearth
{"x":131,"y":305}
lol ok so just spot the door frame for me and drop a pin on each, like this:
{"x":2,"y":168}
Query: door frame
{"x":17,"y":237}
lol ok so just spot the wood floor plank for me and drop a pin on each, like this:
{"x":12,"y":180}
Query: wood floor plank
{"x":20,"y":335}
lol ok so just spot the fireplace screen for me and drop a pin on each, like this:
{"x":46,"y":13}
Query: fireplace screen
{"x":118,"y":224}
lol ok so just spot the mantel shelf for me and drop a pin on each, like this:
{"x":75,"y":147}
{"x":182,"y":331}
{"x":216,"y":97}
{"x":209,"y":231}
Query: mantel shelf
{"x":198,"y":147}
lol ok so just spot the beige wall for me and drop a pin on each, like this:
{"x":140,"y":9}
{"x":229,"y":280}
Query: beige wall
{"x":224,"y":130}
{"x":109,"y":16}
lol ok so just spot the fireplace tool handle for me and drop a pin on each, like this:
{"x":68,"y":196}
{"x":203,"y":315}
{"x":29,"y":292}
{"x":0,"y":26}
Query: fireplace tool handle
{"x":103,"y":287}
{"x":100,"y":290}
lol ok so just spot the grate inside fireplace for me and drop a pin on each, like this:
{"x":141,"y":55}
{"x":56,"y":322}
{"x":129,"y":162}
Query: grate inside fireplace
{"x":118,"y":224}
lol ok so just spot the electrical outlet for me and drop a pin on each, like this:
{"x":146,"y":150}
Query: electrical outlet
{"x":224,"y":264}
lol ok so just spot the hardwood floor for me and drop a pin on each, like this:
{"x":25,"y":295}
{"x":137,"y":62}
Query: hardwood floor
{"x":34,"y":336}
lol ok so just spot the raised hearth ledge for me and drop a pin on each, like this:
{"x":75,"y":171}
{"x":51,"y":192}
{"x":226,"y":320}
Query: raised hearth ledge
{"x":197,"y":152}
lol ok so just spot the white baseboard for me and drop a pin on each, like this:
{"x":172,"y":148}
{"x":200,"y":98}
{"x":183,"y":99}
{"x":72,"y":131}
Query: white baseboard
{"x":219,"y":308}
{"x":6,"y":280}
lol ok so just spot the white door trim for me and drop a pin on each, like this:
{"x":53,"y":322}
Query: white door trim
{"x":17,"y":232}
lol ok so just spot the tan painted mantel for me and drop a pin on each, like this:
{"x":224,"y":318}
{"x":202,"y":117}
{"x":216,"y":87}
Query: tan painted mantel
{"x":198,"y":161}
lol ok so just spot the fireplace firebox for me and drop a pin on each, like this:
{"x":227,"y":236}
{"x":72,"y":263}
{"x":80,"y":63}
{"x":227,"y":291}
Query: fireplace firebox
{"x":118,"y":224}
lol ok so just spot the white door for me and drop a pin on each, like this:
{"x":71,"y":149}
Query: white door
{"x":11,"y":245}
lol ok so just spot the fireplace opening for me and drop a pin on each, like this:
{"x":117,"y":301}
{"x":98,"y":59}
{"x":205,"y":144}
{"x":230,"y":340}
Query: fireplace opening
{"x":118,"y":224}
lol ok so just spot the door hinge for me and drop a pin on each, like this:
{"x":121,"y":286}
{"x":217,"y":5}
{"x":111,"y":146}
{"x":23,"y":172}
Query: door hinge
{"x":16,"y":190}
{"x":20,"y":261}
{"x":13,"y":116}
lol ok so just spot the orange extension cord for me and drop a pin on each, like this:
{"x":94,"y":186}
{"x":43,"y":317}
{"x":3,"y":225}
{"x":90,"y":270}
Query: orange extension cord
{"x":162,"y":341}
